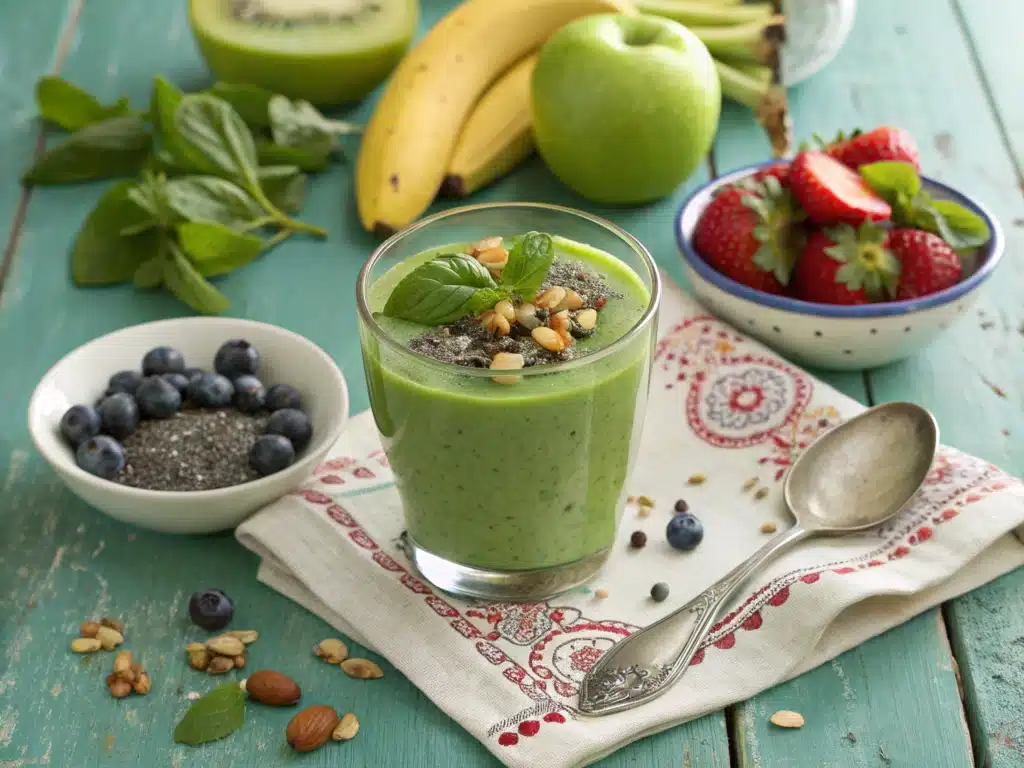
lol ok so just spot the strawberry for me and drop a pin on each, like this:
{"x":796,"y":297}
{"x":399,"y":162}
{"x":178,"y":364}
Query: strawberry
{"x":751,"y":234}
{"x":843,"y":265}
{"x":779,"y":170}
{"x":884,"y":143}
{"x":928,"y":263}
{"x":831,"y":193}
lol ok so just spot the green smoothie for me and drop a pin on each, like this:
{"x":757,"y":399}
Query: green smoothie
{"x":521,"y":475}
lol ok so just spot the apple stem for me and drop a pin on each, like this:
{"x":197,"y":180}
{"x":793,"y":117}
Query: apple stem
{"x":767,"y":100}
{"x":705,"y":13}
{"x":757,"y":41}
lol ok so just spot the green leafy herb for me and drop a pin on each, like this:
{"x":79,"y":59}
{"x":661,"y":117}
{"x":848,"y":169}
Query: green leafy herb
{"x":285,"y":186}
{"x":101,"y":254}
{"x":175,"y":152}
{"x":118,"y":146}
{"x":250,"y":101}
{"x":70,"y":107}
{"x":899,"y":184}
{"x":215,"y":249}
{"x":298,"y":124}
{"x":219,"y":713}
{"x":443,"y":290}
{"x":150,"y":194}
{"x":209,"y":198}
{"x":528,"y":263}
{"x":150,"y":274}
{"x":187,"y":283}
{"x":270,"y":153}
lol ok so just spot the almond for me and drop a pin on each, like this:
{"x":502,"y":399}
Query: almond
{"x":311,"y":727}
{"x":274,"y":688}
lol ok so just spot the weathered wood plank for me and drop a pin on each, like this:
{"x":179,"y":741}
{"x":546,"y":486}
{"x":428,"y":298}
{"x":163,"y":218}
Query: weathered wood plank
{"x":29,"y":40}
{"x":61,"y":562}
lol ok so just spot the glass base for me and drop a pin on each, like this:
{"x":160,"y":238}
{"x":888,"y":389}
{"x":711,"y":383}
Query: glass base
{"x":501,"y":586}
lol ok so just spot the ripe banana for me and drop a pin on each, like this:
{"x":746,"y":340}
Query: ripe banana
{"x":409,"y":139}
{"x":497,"y":136}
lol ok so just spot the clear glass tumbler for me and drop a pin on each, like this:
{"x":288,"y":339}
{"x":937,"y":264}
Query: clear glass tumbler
{"x":510,"y":492}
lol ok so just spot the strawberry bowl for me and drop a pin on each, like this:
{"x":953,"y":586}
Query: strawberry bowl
{"x":835,"y":336}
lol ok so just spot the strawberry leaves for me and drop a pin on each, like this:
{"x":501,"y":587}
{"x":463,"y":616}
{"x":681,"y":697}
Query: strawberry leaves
{"x":912,"y":206}
{"x":866,"y":261}
{"x":777,"y":214}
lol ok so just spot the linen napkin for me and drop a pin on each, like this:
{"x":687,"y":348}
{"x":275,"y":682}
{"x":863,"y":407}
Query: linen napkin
{"x":721,"y":405}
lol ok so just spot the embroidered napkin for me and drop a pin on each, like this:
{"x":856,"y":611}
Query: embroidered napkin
{"x":721,"y":405}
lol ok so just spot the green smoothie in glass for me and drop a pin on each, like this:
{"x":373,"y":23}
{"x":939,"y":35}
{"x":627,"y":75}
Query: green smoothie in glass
{"x":507,"y":376}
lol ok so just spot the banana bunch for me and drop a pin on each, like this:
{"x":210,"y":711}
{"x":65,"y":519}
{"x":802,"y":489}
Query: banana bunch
{"x":456,"y":114}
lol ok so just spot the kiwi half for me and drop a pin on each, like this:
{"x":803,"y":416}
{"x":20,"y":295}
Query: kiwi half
{"x":328,"y":52}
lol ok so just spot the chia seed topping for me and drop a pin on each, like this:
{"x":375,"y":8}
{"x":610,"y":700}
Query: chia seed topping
{"x":193,"y":450}
{"x":580,"y":278}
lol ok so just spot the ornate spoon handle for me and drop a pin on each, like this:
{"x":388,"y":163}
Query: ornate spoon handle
{"x":643,"y":665}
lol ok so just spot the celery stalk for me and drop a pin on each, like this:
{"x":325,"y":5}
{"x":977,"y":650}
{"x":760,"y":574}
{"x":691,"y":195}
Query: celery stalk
{"x":757,"y":42}
{"x":762,"y":74}
{"x":704,"y":13}
{"x":768,"y":102}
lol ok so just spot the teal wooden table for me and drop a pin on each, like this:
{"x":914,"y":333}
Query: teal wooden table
{"x":945,"y":689}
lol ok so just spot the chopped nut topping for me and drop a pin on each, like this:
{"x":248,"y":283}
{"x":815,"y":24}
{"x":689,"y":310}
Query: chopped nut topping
{"x":572,"y":301}
{"x":587,"y":318}
{"x":551,"y":340}
{"x":526,"y":316}
{"x":559,"y":321}
{"x":495,"y":323}
{"x":483,"y":245}
{"x":506,"y":310}
{"x":551,"y":298}
{"x":494,"y":259}
{"x":507,"y":361}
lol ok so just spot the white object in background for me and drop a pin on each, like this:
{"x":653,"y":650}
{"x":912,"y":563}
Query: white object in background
{"x":815,"y":31}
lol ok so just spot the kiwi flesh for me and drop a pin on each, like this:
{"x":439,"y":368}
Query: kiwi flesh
{"x":328,"y":52}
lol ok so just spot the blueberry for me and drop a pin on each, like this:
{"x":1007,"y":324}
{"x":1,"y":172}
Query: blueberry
{"x":101,"y":456}
{"x":79,"y":423}
{"x":157,"y":397}
{"x":211,"y":609}
{"x":270,"y":454}
{"x":249,"y":394}
{"x":236,"y":358}
{"x":684,"y":531}
{"x":162,"y":360}
{"x":293,"y":424}
{"x":124,"y":381}
{"x":283,"y":396}
{"x":191,"y":373}
{"x":210,"y":390}
{"x":177,"y":380}
{"x":659,"y":591}
{"x":119,"y":415}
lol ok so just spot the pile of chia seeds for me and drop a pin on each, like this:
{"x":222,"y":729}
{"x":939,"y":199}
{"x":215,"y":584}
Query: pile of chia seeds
{"x":467,"y":343}
{"x":193,"y":450}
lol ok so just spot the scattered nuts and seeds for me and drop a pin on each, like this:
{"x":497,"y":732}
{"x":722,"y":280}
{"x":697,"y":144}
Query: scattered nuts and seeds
{"x":362,"y":669}
{"x":200,"y":659}
{"x":768,"y":527}
{"x":225,"y":645}
{"x":332,"y":650}
{"x":750,"y":484}
{"x":786,"y":719}
{"x":85,"y":645}
{"x":643,"y":511}
{"x":247,"y":636}
{"x":681,"y":506}
{"x":219,"y":665}
{"x":637,"y":539}
{"x":115,"y":624}
{"x":601,"y":593}
{"x":274,"y":688}
{"x":659,"y":591}
{"x":347,"y":728}
{"x":222,"y":653}
{"x":311,"y":728}
{"x":109,"y":638}
{"x":128,"y":676}
{"x":105,"y":634}
{"x":696,"y":479}
{"x":761,"y":493}
{"x":645,"y":501}
{"x":89,"y":628}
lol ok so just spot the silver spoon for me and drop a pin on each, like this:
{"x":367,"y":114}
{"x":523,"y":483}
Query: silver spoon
{"x":855,"y":477}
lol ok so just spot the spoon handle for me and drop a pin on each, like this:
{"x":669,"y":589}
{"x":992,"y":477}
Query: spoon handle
{"x":643,"y":665}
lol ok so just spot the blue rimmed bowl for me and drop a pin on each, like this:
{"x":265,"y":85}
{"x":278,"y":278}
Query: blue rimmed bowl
{"x":830,"y":336}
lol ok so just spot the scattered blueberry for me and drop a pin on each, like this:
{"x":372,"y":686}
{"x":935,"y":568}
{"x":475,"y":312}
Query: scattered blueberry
{"x":177,"y":380}
{"x":293,"y":424}
{"x":162,"y":360}
{"x":191,"y":373}
{"x":124,"y":381}
{"x":283,"y":396}
{"x":270,"y":454}
{"x":249,"y":394}
{"x":681,"y":506}
{"x":79,"y":423}
{"x":210,"y":390}
{"x":684,"y":531}
{"x":659,"y":591}
{"x":236,"y":358}
{"x":119,"y":415}
{"x":158,"y":398}
{"x":102,"y":456}
{"x":211,"y":609}
{"x":638,"y":539}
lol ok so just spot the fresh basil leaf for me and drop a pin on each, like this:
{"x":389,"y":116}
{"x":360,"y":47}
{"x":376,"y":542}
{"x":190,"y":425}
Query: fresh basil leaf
{"x":270,"y":153}
{"x":441,"y":291}
{"x":184,"y":281}
{"x":175,"y":152}
{"x":219,"y":713}
{"x":249,"y":101}
{"x":891,"y":179}
{"x":101,"y":254}
{"x":959,"y":226}
{"x":284,"y":186}
{"x":216,"y":249}
{"x":528,"y":263}
{"x":209,"y":198}
{"x":150,"y":273}
{"x":298,"y":124}
{"x":214,"y":128}
{"x":118,"y":146}
{"x":70,"y":107}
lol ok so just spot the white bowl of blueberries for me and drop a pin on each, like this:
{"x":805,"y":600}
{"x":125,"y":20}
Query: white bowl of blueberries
{"x":188,"y":425}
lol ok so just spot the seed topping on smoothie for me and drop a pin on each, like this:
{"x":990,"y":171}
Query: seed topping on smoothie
{"x":501,"y":308}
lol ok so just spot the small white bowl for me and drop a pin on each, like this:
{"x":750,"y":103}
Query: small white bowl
{"x":81,"y":377}
{"x":815,"y":32}
{"x":830,"y":336}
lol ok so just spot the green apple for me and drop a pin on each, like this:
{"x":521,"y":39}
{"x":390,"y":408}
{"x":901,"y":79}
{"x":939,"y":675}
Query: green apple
{"x":624,"y":106}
